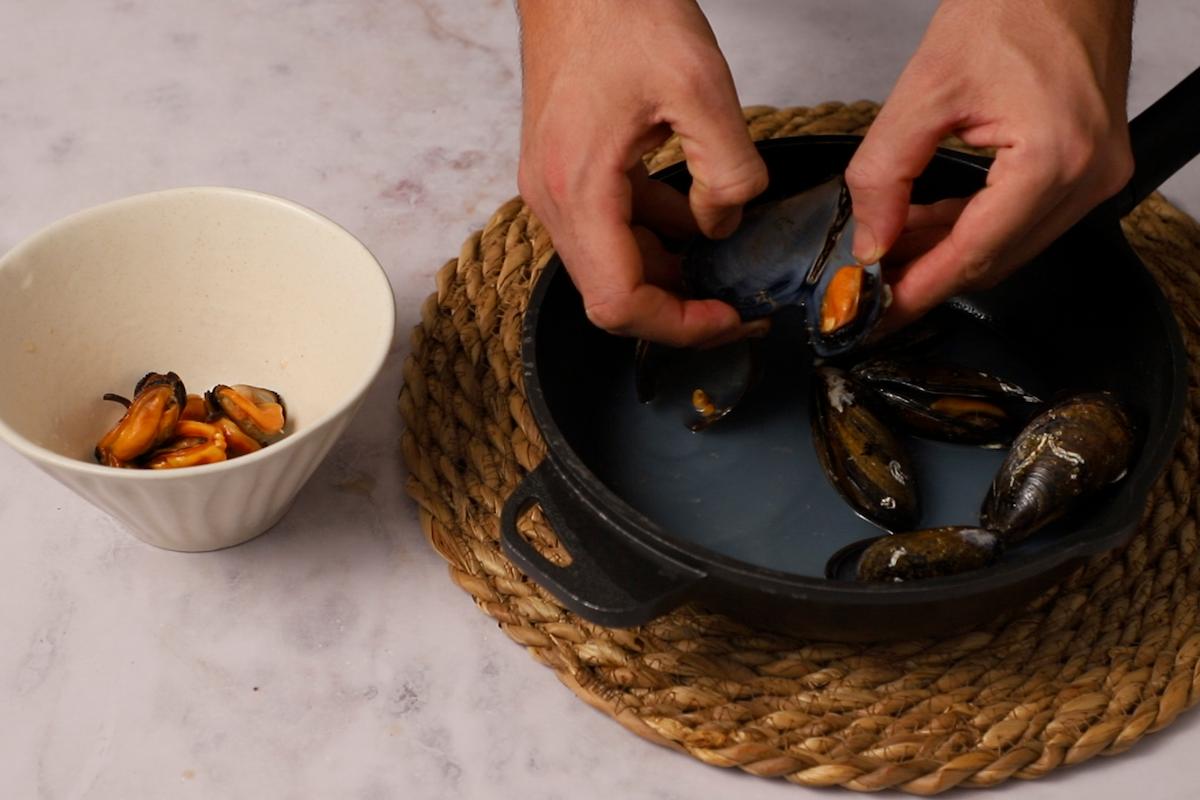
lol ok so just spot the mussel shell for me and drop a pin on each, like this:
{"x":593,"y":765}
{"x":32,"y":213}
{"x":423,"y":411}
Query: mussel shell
{"x":916,"y":390}
{"x":785,"y":253}
{"x":1066,"y":454}
{"x":861,"y":457}
{"x":931,"y":553}
{"x":725,"y":374}
{"x":870,"y":307}
{"x":765,"y":264}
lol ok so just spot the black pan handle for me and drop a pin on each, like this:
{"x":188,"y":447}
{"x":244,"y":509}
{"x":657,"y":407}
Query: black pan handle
{"x":607,"y":582}
{"x":1164,"y":137}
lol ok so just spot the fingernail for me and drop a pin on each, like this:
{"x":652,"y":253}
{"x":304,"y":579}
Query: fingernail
{"x":866,"y":249}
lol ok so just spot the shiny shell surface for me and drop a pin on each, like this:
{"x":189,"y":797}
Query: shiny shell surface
{"x":1066,"y":454}
{"x":788,"y":253}
{"x":949,"y":402}
{"x":931,"y":553}
{"x":861,"y":457}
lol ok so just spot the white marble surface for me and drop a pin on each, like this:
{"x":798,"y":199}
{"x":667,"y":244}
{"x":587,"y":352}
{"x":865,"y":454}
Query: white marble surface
{"x":333,"y":657}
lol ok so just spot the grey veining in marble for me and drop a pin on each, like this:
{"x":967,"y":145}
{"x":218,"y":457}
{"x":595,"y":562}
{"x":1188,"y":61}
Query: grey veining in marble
{"x":333,"y":657}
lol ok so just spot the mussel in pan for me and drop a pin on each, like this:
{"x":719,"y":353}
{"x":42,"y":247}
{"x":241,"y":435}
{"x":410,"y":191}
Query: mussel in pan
{"x":795,"y":252}
{"x":706,"y":384}
{"x":931,"y":553}
{"x":863,"y":459}
{"x":949,"y":402}
{"x":1066,"y":454}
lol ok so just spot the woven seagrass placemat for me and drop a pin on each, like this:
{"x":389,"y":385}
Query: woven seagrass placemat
{"x":1108,"y":656}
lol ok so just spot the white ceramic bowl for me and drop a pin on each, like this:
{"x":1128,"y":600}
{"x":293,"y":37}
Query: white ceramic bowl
{"x":218,"y":285}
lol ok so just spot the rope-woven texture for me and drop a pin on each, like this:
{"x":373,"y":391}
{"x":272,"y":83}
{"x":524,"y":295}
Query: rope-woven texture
{"x":1088,"y":669}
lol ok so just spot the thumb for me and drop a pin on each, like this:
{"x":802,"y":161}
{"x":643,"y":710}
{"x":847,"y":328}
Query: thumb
{"x":894,"y":152}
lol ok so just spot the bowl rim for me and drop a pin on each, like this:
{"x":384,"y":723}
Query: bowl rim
{"x":45,"y":457}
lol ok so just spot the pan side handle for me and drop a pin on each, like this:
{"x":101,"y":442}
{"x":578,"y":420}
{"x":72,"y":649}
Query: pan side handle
{"x":607,"y":581}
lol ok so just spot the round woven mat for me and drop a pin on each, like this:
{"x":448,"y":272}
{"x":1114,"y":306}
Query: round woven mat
{"x":1105,"y":658}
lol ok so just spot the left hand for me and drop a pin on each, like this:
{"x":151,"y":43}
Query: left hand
{"x":1044,"y":83}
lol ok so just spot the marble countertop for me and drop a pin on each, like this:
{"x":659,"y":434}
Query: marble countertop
{"x":333,"y":657}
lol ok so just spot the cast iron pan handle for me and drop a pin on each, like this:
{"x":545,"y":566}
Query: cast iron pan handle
{"x":607,"y":582}
{"x":1164,"y":137}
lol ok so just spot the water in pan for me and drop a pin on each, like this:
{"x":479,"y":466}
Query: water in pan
{"x":750,"y":487}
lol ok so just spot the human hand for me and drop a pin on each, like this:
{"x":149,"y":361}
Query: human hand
{"x":1045,"y":84}
{"x":604,"y":82}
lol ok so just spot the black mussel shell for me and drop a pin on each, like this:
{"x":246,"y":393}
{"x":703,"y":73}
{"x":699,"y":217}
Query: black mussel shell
{"x":869,"y":306}
{"x":773,"y":257}
{"x":931,"y":553}
{"x":1066,"y":454}
{"x":949,"y":402}
{"x":861,"y":457}
{"x":706,"y":385}
{"x":787,"y":253}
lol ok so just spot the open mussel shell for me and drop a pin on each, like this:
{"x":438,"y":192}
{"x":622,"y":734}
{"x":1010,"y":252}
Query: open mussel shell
{"x":705,"y":385}
{"x":794,"y":252}
{"x":861,"y":457}
{"x":1066,"y":454}
{"x":915,"y":555}
{"x":847,"y":298}
{"x":938,"y":400}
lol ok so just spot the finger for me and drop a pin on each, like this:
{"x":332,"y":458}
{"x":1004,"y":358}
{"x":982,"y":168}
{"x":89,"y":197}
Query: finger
{"x":602,"y":255}
{"x":650,"y":312}
{"x":1053,"y":225}
{"x":755,"y":329}
{"x":910,"y":246}
{"x":894,"y":152}
{"x":660,"y":207}
{"x":725,"y":166}
{"x":1018,"y":197}
{"x":660,"y":266}
{"x":942,"y":214}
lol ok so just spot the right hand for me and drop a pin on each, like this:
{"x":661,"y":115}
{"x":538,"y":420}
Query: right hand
{"x":604,"y":82}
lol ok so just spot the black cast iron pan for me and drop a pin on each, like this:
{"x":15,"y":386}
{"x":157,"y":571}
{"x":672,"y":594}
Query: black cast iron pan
{"x":740,"y":519}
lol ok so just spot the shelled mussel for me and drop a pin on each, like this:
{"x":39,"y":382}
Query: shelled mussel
{"x":164,"y":427}
{"x":149,"y":420}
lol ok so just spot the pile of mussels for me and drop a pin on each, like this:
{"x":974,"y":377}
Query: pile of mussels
{"x":796,"y":252}
{"x":164,"y":427}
